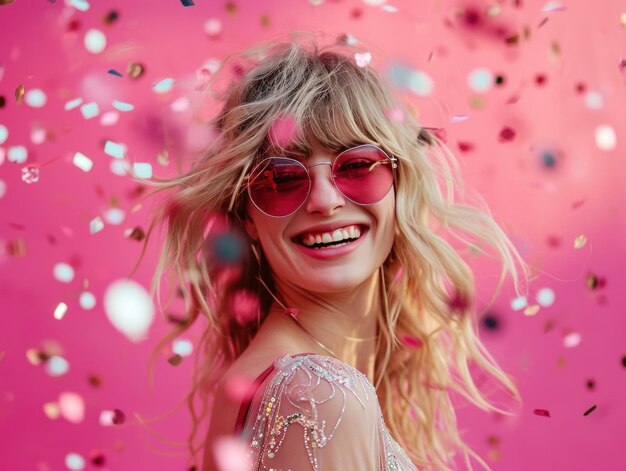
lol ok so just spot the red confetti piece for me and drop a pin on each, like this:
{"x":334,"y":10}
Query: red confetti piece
{"x":411,"y":341}
{"x":507,"y":134}
{"x":466,"y":146}
{"x":118,"y":417}
{"x":542,"y":412}
{"x":590,"y":410}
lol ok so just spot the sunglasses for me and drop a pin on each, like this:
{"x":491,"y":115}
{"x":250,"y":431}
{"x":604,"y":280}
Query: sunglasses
{"x":279,"y":186}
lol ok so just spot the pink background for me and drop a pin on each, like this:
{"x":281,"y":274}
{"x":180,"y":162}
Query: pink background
{"x":562,"y":81}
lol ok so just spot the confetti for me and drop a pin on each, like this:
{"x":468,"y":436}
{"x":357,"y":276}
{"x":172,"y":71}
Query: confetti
{"x":60,"y":311}
{"x":163,"y":86}
{"x":3,"y":188}
{"x":605,"y":137}
{"x":180,"y":105}
{"x":182,"y":347}
{"x":531,"y":310}
{"x":491,"y":321}
{"x":70,"y":105}
{"x":375,"y":3}
{"x":72,"y":407}
{"x":580,"y":241}
{"x":97,"y":458}
{"x":142,"y":169}
{"x":63,"y":272}
{"x":411,"y":341}
{"x":459,"y":118}
{"x":74,"y":461}
{"x":19,"y":94}
{"x":213,"y":27}
{"x":114,"y":149}
{"x":244,"y":306}
{"x":90,"y":110}
{"x":30,"y":174}
{"x":624,"y":361}
{"x":175,"y":360}
{"x":135,"y":70}
{"x":594,"y":100}
{"x":114,"y":72}
{"x":35,"y":98}
{"x":111,"y":17}
{"x":17,"y":154}
{"x":52,"y":411}
{"x":136,"y":234}
{"x":118,"y":417}
{"x":519,"y":303}
{"x":120,"y":167}
{"x":57,"y":366}
{"x":109,"y":118}
{"x":590,"y":410}
{"x":95,"y":41}
{"x":129,"y":308}
{"x":572,"y":340}
{"x":82,"y":162}
{"x":542,"y":412}
{"x":87,"y":300}
{"x":420,"y":83}
{"x":121,"y":106}
{"x":187,"y":3}
{"x":363,"y":58}
{"x":284,"y":131}
{"x":552,"y":7}
{"x":96,"y":225}
{"x":231,"y":454}
{"x":545,"y":297}
{"x":80,"y":5}
{"x":480,"y":80}
{"x":4,"y":134}
{"x":506,"y":134}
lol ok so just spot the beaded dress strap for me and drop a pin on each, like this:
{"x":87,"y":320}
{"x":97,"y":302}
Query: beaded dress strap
{"x":247,"y":402}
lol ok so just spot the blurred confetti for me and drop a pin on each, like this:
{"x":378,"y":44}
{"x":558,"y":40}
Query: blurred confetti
{"x":541,"y":412}
{"x":129,"y":308}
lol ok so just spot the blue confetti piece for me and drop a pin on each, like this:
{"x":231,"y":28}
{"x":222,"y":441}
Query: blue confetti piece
{"x":187,"y":3}
{"x":115,"y":72}
{"x":114,"y":149}
{"x":121,"y":106}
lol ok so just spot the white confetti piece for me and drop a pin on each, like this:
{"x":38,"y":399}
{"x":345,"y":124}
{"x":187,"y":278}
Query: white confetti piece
{"x":75,"y":103}
{"x":122,"y":106}
{"x":519,"y":303}
{"x":142,"y":170}
{"x":182,"y":347}
{"x":545,"y":297}
{"x":572,"y":340}
{"x":87,"y":300}
{"x":163,"y":86}
{"x":17,"y":154}
{"x":606,"y":138}
{"x":4,"y":134}
{"x":57,"y":366}
{"x":480,"y":80}
{"x":63,"y":272}
{"x":114,"y":149}
{"x":74,"y":461}
{"x":80,"y":5}
{"x":95,"y":41}
{"x":60,"y":311}
{"x":35,"y":98}
{"x":129,"y":308}
{"x":90,"y":110}
{"x":82,"y":162}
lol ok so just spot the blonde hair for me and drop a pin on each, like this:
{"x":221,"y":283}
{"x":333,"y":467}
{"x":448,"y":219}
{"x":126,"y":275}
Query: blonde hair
{"x":337,"y":104}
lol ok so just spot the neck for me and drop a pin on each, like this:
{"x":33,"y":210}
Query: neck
{"x":343,"y":322}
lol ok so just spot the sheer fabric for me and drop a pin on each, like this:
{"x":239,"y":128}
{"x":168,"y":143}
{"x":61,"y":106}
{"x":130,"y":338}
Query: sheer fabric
{"x":318,"y":413}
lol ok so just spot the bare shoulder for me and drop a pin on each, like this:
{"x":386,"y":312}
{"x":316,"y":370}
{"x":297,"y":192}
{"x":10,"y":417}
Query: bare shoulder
{"x":227,"y":402}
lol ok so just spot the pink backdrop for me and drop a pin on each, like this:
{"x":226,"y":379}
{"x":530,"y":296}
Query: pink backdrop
{"x":531,"y":96}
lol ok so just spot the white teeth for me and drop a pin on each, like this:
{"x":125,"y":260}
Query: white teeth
{"x":351,"y":232}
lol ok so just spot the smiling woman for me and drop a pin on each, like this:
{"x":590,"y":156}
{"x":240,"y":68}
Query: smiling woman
{"x":310,"y":238}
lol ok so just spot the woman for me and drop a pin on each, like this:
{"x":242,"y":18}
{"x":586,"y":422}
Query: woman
{"x":310,"y":236}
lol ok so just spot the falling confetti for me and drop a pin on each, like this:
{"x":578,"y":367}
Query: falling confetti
{"x":213,"y":27}
{"x":552,"y":7}
{"x":72,"y":407}
{"x":541,"y":412}
{"x":363,"y":58}
{"x":545,"y":297}
{"x":4,"y":134}
{"x":17,"y":154}
{"x":572,"y":340}
{"x":580,"y":241}
{"x":74,"y":103}
{"x":90,"y":110}
{"x":480,"y":80}
{"x":163,"y":86}
{"x":135,"y":70}
{"x":231,"y":454}
{"x":122,"y":106}
{"x":519,"y":303}
{"x":187,"y":3}
{"x":114,"y":149}
{"x":83,"y":162}
{"x":506,"y":134}
{"x":60,"y":311}
{"x":114,"y":72}
{"x":182,"y":347}
{"x":30,"y":174}
{"x":129,"y":308}
{"x":80,"y":5}
{"x":606,"y":138}
{"x":63,"y":272}
{"x":118,"y":417}
{"x":57,"y":366}
{"x":87,"y":300}
{"x":531,"y":310}
{"x":19,"y":94}
{"x":35,"y":98}
{"x":589,"y":411}
{"x":74,"y":461}
{"x":96,"y":225}
{"x":95,"y":41}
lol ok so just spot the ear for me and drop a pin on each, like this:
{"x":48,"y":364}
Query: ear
{"x":250,"y":228}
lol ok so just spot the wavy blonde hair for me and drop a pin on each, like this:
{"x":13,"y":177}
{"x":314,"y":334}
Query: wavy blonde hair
{"x":429,"y":288}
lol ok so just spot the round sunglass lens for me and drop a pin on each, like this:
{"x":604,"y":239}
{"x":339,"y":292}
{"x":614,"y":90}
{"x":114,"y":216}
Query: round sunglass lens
{"x":278,"y":186}
{"x":364,"y":174}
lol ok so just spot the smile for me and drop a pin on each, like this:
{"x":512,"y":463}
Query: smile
{"x":337,"y":238}
{"x":333,"y":249}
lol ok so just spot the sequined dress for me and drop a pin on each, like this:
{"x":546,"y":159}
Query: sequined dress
{"x":317,"y":412}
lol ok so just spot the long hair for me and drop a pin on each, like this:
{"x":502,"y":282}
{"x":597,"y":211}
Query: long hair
{"x":428,"y":287}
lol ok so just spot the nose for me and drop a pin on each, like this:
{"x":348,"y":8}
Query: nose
{"x":324,"y":196}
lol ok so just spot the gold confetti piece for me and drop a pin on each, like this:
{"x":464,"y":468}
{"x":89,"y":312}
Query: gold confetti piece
{"x":493,"y":440}
{"x":175,"y":360}
{"x":33,"y":356}
{"x":135,"y":70}
{"x":52,"y":410}
{"x":622,"y":19}
{"x":94,"y":380}
{"x":265,"y":21}
{"x":6,"y":2}
{"x":19,"y":94}
{"x":231,"y":8}
{"x":580,"y":241}
{"x":163,"y":158}
{"x":561,"y":362}
{"x":531,"y":310}
{"x":137,"y":234}
{"x":494,"y":455}
{"x":590,"y":410}
{"x":16,"y":248}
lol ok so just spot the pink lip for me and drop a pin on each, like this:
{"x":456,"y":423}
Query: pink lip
{"x":328,"y":254}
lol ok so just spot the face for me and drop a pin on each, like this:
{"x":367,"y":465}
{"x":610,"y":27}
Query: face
{"x":325,"y":270}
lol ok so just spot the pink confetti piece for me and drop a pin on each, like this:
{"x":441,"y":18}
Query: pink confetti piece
{"x":72,"y":407}
{"x":363,"y":58}
{"x":231,"y":454}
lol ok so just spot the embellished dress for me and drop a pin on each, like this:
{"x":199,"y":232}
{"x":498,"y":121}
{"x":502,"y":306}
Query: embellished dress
{"x":315,"y":412}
